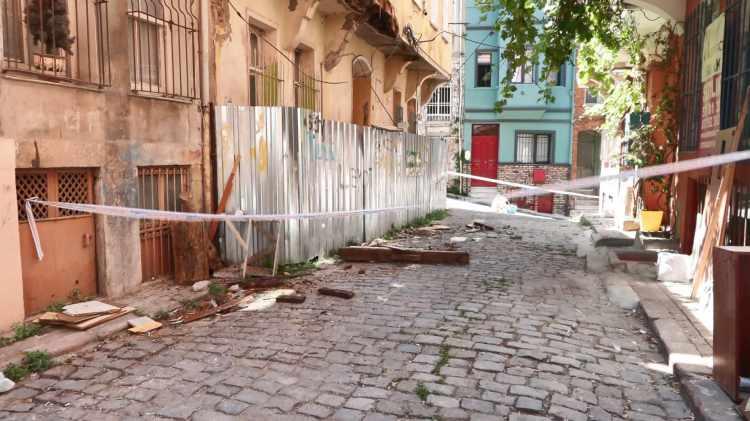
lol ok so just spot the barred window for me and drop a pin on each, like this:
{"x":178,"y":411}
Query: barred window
{"x":163,"y":48}
{"x":57,"y":40}
{"x":533,"y":148}
{"x":439,"y":107}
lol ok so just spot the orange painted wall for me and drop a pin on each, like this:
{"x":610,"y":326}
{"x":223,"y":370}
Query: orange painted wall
{"x":11,"y":283}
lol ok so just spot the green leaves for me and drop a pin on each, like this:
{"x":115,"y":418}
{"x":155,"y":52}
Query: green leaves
{"x":552,"y":29}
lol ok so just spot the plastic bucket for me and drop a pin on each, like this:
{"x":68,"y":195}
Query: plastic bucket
{"x":651,"y":220}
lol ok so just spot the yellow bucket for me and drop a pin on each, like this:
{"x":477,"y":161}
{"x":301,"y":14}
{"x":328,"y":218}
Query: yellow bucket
{"x":651,"y":220}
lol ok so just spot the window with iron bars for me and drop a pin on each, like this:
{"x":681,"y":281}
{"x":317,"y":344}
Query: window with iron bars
{"x":163,"y":46}
{"x":736,"y":65}
{"x":439,"y":107}
{"x":306,"y":91}
{"x":57,"y":40}
{"x":692,"y":86}
{"x":266,"y":72}
{"x":738,"y":229}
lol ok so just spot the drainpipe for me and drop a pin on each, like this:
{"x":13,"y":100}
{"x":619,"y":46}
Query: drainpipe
{"x":207,"y":200}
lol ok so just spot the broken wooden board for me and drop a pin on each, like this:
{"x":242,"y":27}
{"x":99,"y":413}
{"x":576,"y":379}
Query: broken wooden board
{"x":96,"y":321}
{"x":143,"y":325}
{"x":224,"y":198}
{"x":211,"y":311}
{"x":89,"y":308}
{"x":333,"y":292}
{"x":61,"y":319}
{"x":400,"y":255}
{"x":292,"y":299}
{"x":190,"y":252}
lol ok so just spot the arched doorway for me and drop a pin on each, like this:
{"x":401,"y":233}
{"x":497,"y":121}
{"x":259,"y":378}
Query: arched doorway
{"x":589,"y":150}
{"x":361,"y":91}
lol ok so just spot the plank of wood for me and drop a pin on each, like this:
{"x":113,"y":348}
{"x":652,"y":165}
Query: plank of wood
{"x":719,"y":199}
{"x":225,"y":195}
{"x":211,"y":311}
{"x":333,"y":292}
{"x":189,"y":248}
{"x":52,"y":318}
{"x":96,"y":321}
{"x":89,"y":308}
{"x":393,"y":254}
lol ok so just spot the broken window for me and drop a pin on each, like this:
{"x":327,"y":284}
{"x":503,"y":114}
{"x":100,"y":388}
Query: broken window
{"x":533,"y":148}
{"x":484,"y":70}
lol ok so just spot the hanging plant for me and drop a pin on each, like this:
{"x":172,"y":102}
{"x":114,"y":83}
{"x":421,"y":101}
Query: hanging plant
{"x":49,"y":25}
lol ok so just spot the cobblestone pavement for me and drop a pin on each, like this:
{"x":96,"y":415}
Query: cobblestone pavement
{"x":521,"y":333}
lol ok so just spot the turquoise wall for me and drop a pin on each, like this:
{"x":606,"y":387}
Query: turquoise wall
{"x":524,"y":111}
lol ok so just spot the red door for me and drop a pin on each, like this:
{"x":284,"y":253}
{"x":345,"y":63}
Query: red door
{"x":484,"y":151}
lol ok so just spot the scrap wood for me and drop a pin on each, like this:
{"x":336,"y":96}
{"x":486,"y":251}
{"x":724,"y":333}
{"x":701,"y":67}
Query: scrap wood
{"x":225,"y":194}
{"x":333,"y":292}
{"x":190,"y":252}
{"x":718,"y":199}
{"x":58,"y":319}
{"x":211,"y":311}
{"x":292,"y":299}
{"x":96,"y":321}
{"x":143,"y":325}
{"x":394,"y":254}
{"x":89,"y":308}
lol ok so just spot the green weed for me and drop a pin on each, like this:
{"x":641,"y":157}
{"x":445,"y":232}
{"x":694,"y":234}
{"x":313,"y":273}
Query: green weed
{"x":16,"y":372}
{"x":56,"y":307}
{"x":217,"y":290}
{"x":22,"y":331}
{"x":444,"y":357}
{"x":33,"y":362}
{"x":422,"y":391}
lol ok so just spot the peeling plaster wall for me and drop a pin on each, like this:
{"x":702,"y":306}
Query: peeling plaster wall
{"x":112,"y":131}
{"x":321,"y":33}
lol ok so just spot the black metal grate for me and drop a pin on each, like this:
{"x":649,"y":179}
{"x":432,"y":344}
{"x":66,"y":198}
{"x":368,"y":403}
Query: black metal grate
{"x":736,"y":65}
{"x":163,"y":47}
{"x":738,"y":229}
{"x":692,"y":88}
{"x":59,"y":40}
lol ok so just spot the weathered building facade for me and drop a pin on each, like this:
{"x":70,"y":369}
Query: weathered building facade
{"x":109,"y":103}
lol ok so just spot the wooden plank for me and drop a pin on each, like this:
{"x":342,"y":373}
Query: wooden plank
{"x":96,"y":321}
{"x":718,"y":198}
{"x":189,"y":248}
{"x":392,"y":254}
{"x":224,"y":197}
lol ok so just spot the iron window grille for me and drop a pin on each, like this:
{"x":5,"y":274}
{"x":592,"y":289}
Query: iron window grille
{"x":736,"y":65}
{"x":439,"y":107}
{"x":738,"y":229}
{"x":592,"y":99}
{"x":57,"y":40}
{"x":163,"y":48}
{"x":692,"y":86}
{"x":484,"y":70}
{"x":266,"y":72}
{"x":306,"y":86}
{"x":533,"y":148}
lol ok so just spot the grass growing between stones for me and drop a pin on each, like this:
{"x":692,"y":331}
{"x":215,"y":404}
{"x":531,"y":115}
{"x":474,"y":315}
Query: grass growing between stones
{"x":423,"y":221}
{"x":444,"y":357}
{"x":422,"y":391}
{"x":500,"y":284}
{"x":33,"y":362}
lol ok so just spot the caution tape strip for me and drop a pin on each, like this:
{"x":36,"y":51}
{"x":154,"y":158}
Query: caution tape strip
{"x":139,"y":213}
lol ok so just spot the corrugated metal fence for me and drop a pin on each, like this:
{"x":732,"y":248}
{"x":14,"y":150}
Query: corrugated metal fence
{"x":293,"y":162}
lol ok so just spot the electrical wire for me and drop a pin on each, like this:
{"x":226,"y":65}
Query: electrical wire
{"x":281,"y":53}
{"x":393,"y":120}
{"x":445,"y":31}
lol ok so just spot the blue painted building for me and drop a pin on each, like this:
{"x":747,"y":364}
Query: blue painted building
{"x":529,"y":141}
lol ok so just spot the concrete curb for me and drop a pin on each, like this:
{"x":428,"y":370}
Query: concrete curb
{"x":704,"y":396}
{"x":61,"y":341}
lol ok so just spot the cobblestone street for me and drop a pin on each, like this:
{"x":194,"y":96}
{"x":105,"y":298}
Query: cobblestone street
{"x":522,"y":333}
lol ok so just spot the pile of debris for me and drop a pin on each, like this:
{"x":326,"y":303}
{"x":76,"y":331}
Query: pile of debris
{"x":84,"y":315}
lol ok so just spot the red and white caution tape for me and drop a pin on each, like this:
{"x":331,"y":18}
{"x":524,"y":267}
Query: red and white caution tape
{"x":139,"y":213}
{"x":653,"y":171}
{"x":543,"y":189}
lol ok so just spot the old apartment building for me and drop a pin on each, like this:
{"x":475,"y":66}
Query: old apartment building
{"x":109,"y":102}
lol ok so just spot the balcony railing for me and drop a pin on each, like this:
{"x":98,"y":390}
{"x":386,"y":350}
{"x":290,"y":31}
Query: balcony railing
{"x":57,"y":40}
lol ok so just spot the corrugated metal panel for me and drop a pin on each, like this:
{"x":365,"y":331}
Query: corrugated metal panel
{"x":293,"y":162}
